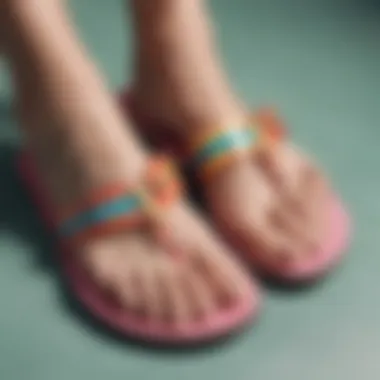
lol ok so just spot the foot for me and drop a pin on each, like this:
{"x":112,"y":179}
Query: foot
{"x":80,"y":143}
{"x":262,"y":202}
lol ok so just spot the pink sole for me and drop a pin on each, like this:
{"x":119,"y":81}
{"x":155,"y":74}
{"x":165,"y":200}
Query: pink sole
{"x":126,"y":323}
{"x":316,"y":264}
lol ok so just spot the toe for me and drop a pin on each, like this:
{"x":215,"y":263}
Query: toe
{"x":300,"y":210}
{"x":290,"y":224}
{"x":314,"y":202}
{"x":179,"y":311}
{"x":282,"y":167}
{"x":265,"y":241}
{"x":130,"y":288}
{"x":152,"y":290}
{"x":226,"y":279}
{"x":99,"y":260}
{"x":215,"y":280}
{"x":201,"y":299}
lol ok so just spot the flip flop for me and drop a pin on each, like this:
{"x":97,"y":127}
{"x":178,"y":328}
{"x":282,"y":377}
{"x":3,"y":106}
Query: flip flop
{"x":113,"y":209}
{"x":213,"y":152}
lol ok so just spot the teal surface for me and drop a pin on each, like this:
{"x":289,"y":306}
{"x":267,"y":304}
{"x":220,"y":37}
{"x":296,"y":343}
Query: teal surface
{"x":319,"y":61}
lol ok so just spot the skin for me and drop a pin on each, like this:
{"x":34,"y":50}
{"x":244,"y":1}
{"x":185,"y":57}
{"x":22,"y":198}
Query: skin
{"x":81,"y":142}
{"x":262,"y":203}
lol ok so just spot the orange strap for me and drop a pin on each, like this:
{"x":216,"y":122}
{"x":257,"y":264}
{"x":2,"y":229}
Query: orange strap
{"x":117,"y":207}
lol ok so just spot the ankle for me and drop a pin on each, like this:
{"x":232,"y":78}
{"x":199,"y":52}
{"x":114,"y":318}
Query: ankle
{"x":178,"y":77}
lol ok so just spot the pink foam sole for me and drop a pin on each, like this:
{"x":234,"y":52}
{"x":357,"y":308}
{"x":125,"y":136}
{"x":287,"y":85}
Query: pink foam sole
{"x":224,"y":322}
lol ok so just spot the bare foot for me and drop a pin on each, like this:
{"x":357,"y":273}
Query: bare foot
{"x":262,"y":202}
{"x":81,"y":143}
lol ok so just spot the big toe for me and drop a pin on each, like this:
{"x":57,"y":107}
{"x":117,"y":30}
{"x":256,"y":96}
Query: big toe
{"x":228,"y":282}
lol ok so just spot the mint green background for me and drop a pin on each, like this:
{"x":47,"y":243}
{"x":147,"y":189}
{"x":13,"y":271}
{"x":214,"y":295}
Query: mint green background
{"x":319,"y":61}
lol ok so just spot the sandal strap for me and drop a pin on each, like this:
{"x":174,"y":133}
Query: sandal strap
{"x":117,"y":207}
{"x":213,"y":151}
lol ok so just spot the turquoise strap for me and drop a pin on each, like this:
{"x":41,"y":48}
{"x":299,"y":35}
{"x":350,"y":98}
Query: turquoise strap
{"x":223,"y":143}
{"x":101,"y":214}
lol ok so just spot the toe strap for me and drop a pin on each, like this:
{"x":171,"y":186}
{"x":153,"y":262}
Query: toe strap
{"x":213,"y":151}
{"x":118,"y":207}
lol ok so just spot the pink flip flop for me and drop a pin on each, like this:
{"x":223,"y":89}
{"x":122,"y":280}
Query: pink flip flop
{"x":113,"y":209}
{"x":214,"y":151}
